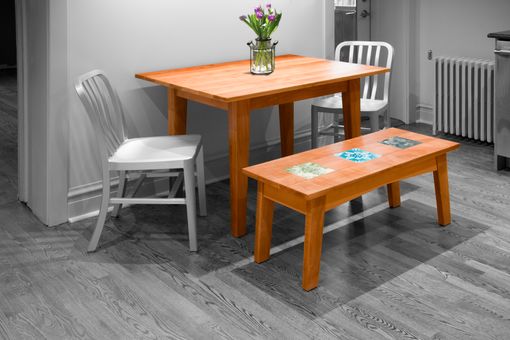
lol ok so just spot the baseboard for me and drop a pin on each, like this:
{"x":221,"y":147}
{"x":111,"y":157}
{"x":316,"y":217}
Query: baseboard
{"x":84,"y":200}
{"x":425,"y":114}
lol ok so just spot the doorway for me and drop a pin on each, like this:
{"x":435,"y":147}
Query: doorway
{"x":8,"y":104}
{"x":364,"y":15}
{"x":353,"y":20}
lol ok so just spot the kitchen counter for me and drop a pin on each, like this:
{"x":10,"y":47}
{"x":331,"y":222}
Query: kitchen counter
{"x":505,"y":35}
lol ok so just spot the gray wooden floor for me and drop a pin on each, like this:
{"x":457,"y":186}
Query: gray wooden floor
{"x":386,"y":273}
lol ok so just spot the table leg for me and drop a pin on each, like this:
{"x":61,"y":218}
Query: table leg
{"x":394,"y":194}
{"x":442,"y":191}
{"x":287,"y":128}
{"x":239,"y":143}
{"x":351,"y":109}
{"x":314,"y":226}
{"x":177,"y":113}
{"x":264,"y":225}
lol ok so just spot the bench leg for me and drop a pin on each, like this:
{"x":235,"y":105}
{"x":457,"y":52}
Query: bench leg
{"x":442,"y":192}
{"x":313,"y":242}
{"x":394,"y":194}
{"x":264,"y":224}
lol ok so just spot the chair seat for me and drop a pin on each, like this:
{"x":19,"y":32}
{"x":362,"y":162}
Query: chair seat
{"x":335,"y":103}
{"x":162,"y":152}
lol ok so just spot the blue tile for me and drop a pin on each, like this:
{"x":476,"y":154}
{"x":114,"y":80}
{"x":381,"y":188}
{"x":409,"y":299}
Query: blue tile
{"x":357,"y":155}
{"x":400,"y":142}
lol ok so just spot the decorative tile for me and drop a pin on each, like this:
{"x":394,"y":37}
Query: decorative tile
{"x":400,"y":142}
{"x":357,"y":155}
{"x":309,"y":170}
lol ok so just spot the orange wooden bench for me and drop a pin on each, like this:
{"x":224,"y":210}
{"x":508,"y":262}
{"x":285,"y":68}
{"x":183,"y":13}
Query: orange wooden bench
{"x":318,"y":180}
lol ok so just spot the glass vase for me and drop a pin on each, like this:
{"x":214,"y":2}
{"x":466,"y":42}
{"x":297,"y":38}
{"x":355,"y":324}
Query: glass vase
{"x":262,"y":53}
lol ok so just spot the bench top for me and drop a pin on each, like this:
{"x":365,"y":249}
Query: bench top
{"x":315,"y":172}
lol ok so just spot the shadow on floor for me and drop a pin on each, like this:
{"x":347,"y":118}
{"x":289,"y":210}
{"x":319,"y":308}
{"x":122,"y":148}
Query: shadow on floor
{"x":158,"y":234}
{"x":365,"y":255}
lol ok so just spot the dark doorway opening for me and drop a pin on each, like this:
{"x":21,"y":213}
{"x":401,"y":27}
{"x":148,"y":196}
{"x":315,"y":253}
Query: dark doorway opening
{"x":8,"y":104}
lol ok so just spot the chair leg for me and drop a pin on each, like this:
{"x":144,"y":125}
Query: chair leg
{"x":189,"y":187}
{"x":315,"y":126}
{"x":202,"y":205}
{"x":336,"y":127}
{"x":138,"y":184}
{"x":374,"y":122}
{"x":121,"y":192}
{"x":102,"y":212}
{"x":175,"y":186}
{"x":387,"y":117}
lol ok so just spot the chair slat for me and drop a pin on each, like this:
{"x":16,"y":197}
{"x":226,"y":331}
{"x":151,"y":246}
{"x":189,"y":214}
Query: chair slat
{"x":106,"y":112}
{"x":103,"y":117}
{"x":375,"y":81}
{"x":377,"y":55}
{"x":360,"y":54}
{"x":96,"y":106}
{"x":369,"y":80}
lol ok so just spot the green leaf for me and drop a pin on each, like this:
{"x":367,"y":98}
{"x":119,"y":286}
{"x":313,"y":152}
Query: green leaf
{"x":255,"y":24}
{"x":275,"y":23}
{"x":247,"y":23}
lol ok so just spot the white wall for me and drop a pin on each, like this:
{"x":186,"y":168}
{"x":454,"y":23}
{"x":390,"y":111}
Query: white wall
{"x":124,"y":37}
{"x":390,"y":23}
{"x":37,"y":57}
{"x":455,"y":28}
{"x":43,"y":112}
{"x":447,"y":27}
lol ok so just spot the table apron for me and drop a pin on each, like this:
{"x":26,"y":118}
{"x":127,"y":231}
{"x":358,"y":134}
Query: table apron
{"x":203,"y":100}
{"x":289,"y":96}
{"x":349,"y":191}
{"x":300,"y":94}
{"x":357,"y":188}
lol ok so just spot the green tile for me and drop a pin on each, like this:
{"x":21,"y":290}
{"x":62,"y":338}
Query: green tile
{"x":400,"y":142}
{"x":309,"y":170}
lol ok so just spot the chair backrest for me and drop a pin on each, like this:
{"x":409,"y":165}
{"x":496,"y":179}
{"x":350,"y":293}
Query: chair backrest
{"x":104,"y":110}
{"x":375,"y":53}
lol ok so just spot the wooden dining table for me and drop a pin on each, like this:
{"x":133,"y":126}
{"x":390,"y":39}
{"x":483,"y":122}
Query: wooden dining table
{"x":230,"y":86}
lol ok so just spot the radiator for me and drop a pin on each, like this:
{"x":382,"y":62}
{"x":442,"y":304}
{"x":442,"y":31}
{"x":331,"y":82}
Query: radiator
{"x":464,"y":98}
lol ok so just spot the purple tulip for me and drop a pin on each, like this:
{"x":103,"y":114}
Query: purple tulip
{"x":259,"y":14}
{"x":271,"y":17}
{"x":268,"y":6}
{"x":242,"y":17}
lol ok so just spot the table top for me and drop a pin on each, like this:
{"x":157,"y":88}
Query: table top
{"x":314,"y":172}
{"x":232,"y":81}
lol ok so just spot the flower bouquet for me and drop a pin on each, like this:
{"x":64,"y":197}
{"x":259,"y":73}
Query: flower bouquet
{"x":264,"y":21}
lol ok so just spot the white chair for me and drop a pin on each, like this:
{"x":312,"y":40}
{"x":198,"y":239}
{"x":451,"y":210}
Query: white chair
{"x":145,"y":157}
{"x":373,"y":102}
